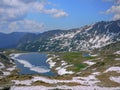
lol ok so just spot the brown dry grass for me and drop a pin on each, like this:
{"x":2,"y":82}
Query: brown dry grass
{"x":19,"y":77}
{"x":41,"y":83}
{"x":105,"y":81}
{"x":69,"y":84}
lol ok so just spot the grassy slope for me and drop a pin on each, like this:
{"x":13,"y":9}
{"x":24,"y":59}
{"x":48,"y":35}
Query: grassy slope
{"x":105,"y":60}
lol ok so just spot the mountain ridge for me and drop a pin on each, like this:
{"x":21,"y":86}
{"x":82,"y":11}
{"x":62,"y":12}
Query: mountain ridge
{"x":10,"y":40}
{"x":85,"y":38}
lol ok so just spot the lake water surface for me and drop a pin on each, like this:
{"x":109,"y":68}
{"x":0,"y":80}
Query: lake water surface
{"x":33,"y":63}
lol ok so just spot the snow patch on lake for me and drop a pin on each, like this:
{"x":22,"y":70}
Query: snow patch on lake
{"x":14,"y":56}
{"x":38,"y":69}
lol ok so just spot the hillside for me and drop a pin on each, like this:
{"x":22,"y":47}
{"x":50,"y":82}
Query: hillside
{"x":7,"y":68}
{"x":76,"y":71}
{"x":10,"y":40}
{"x":85,"y":38}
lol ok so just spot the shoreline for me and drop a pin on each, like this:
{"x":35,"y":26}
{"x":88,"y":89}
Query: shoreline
{"x":90,"y":81}
{"x":38,"y":69}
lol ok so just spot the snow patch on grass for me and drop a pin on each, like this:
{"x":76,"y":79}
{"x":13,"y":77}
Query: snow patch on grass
{"x":43,"y":79}
{"x":117,"y":59}
{"x":63,"y":63}
{"x":115,"y":79}
{"x":94,"y":55}
{"x":1,"y":65}
{"x":25,"y":82}
{"x":63,"y":71}
{"x":63,"y":88}
{"x":118,"y":52}
{"x":87,"y":83}
{"x":50,"y":62}
{"x":117,"y":69}
{"x":89,"y":63}
{"x":6,"y":73}
{"x":90,"y":80}
{"x":11,"y":69}
{"x":96,"y":73}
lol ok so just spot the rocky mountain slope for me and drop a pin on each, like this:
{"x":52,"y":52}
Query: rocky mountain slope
{"x":88,"y":37}
{"x":7,"y":67}
{"x":10,"y":40}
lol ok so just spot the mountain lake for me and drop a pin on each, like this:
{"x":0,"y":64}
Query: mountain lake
{"x":32,"y":63}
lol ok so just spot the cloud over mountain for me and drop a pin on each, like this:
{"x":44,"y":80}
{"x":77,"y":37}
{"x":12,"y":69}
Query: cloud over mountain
{"x":13,"y":13}
{"x":114,"y":9}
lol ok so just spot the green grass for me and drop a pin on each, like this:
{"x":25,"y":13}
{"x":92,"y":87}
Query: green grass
{"x":79,"y":67}
{"x":71,"y":57}
{"x":75,"y":59}
{"x":89,"y":57}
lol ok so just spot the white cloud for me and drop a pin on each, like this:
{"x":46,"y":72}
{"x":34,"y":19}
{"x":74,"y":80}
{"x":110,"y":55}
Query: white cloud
{"x":14,"y":12}
{"x":116,"y":16}
{"x":55,"y":12}
{"x":114,"y":9}
{"x":12,"y":9}
{"x":117,"y":1}
{"x":60,"y":14}
{"x":22,"y":26}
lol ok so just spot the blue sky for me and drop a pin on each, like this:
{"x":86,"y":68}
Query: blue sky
{"x":43,"y":15}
